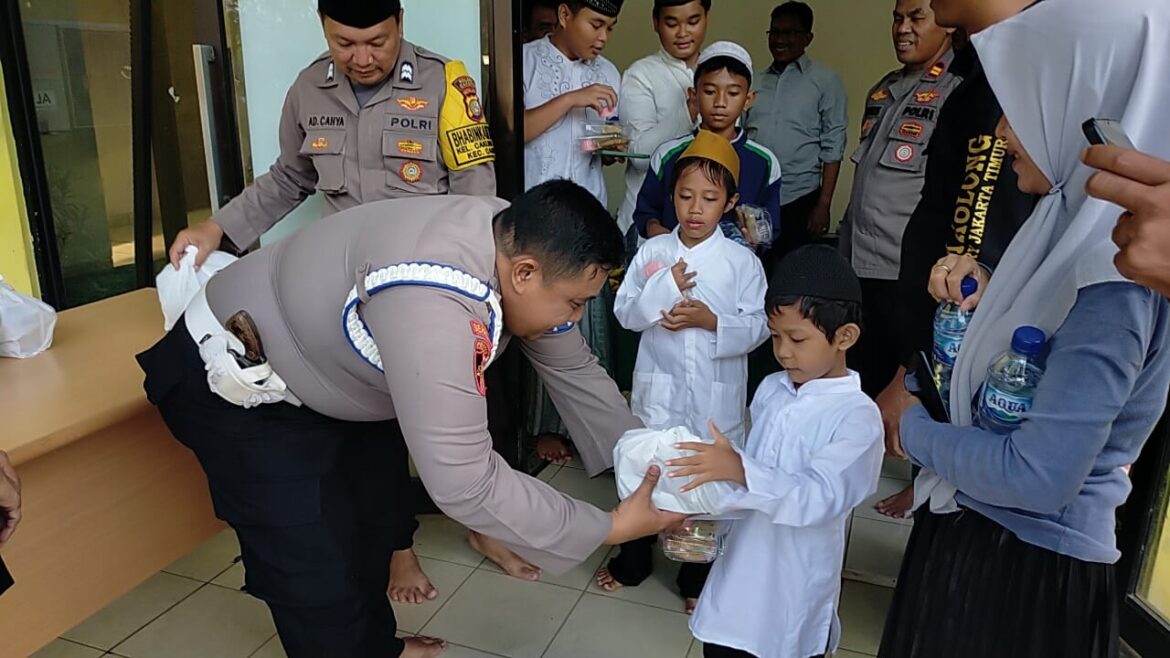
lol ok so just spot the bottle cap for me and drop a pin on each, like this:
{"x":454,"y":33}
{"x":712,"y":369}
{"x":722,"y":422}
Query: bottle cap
{"x":969,"y":286}
{"x":1028,"y":341}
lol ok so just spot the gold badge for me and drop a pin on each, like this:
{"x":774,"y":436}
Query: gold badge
{"x":926,"y":97}
{"x":320,"y":143}
{"x":910,"y":129}
{"x":936,"y":70}
{"x":413,"y":103}
{"x":409,"y":147}
{"x":411,"y":171}
{"x":879,"y":96}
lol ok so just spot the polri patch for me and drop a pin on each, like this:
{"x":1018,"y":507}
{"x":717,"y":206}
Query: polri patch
{"x":411,"y":171}
{"x":466,"y":86}
{"x":483,"y":354}
{"x":470,"y":145}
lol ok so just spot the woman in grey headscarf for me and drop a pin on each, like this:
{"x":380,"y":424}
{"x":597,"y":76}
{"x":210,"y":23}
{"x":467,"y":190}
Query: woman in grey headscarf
{"x":1014,"y":556}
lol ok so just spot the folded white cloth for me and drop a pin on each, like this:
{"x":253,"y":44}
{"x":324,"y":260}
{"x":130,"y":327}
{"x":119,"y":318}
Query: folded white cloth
{"x":638,"y":450}
{"x":176,"y":288}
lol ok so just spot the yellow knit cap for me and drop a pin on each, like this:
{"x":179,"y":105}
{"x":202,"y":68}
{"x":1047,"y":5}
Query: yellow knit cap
{"x":712,"y":147}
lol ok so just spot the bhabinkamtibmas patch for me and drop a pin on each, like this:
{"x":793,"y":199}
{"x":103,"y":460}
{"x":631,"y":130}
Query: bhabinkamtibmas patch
{"x":465,"y":139}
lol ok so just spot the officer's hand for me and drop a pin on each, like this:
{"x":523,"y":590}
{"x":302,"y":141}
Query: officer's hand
{"x":601,"y":98}
{"x":1140,"y":184}
{"x":818,"y":223}
{"x":946,"y":280}
{"x":9,"y":498}
{"x":637,"y":516}
{"x":206,"y":237}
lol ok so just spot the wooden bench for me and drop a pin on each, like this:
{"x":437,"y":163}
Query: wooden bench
{"x":110,"y":498}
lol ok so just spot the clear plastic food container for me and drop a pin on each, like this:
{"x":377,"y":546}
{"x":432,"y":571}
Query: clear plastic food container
{"x":602,"y":136}
{"x":695,"y":541}
{"x":757,"y":222}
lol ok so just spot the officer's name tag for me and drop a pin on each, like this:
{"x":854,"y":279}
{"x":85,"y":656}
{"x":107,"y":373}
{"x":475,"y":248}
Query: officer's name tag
{"x":326,"y":121}
{"x":412,"y":123}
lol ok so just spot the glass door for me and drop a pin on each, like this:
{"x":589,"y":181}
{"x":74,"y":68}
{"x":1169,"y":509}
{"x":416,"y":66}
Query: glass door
{"x":1144,"y":540}
{"x":115,"y":110}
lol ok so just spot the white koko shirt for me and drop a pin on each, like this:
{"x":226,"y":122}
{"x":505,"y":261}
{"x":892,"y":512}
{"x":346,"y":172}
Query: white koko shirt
{"x":814,"y":454}
{"x":556,"y":153}
{"x":691,"y":376}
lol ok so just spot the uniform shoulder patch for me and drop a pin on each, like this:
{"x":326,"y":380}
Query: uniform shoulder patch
{"x":464,"y":137}
{"x":482,"y":341}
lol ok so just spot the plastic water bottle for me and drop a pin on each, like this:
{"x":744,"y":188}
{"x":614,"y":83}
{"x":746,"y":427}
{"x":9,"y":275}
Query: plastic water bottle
{"x":950,"y":324}
{"x":1011,"y":382}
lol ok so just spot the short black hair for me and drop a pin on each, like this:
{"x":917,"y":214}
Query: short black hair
{"x":715,"y":172}
{"x":659,"y":5}
{"x":828,"y":315}
{"x":564,"y":226}
{"x":716,"y":64}
{"x":798,"y":10}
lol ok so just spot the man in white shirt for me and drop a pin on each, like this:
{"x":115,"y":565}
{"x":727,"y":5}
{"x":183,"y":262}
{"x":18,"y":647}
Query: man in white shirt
{"x":654,"y":90}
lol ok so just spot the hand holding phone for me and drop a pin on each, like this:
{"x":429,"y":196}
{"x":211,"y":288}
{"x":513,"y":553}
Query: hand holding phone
{"x":1101,"y":132}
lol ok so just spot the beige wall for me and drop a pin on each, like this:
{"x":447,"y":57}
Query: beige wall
{"x":852,"y":37}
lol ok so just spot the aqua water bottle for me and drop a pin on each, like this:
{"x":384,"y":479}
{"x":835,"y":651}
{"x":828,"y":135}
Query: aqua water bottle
{"x":1011,"y":382}
{"x":950,"y":325}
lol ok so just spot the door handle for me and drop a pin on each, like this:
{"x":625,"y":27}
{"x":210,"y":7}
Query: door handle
{"x":204,"y":55}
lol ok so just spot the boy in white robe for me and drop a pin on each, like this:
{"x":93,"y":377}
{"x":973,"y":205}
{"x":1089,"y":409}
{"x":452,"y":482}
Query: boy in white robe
{"x":697,"y":297}
{"x":814,"y":453}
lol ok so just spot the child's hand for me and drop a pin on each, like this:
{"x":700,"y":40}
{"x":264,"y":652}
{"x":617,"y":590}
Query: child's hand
{"x":599,"y":97}
{"x":713,"y":462}
{"x":682,"y":278}
{"x":690,"y":314}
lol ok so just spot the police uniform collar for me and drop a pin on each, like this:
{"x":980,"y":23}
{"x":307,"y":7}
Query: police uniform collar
{"x":330,"y":76}
{"x":939,"y":67}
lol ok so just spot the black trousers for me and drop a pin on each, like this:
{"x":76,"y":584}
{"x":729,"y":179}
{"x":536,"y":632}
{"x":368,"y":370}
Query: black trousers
{"x":318,"y":504}
{"x":5,"y":578}
{"x":875,"y":357}
{"x":719,"y":651}
{"x":635,"y":563}
{"x":794,"y":218}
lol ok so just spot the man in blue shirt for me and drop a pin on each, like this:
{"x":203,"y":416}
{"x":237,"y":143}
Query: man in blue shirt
{"x":800,"y":114}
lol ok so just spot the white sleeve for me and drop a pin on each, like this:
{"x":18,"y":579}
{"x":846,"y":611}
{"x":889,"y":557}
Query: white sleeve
{"x":641,"y":299}
{"x":746,"y":329}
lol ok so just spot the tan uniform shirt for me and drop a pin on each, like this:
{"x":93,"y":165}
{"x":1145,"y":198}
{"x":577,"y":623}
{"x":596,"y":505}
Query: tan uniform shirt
{"x":901,"y":112}
{"x":423,"y":132}
{"x":431,"y":355}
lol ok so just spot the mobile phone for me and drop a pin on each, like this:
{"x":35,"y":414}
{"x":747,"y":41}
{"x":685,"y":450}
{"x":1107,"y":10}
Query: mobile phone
{"x":1102,"y":132}
{"x":920,"y":382}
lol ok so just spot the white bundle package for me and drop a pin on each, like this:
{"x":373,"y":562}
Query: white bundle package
{"x":638,"y":450}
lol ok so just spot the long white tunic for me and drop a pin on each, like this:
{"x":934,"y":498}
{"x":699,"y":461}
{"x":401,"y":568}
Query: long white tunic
{"x":691,"y":376}
{"x":814,"y":454}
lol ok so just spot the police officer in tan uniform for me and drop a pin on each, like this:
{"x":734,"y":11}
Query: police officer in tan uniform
{"x":395,"y":329}
{"x":901,"y":112}
{"x":375,"y":118}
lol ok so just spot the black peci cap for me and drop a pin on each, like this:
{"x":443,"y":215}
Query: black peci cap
{"x":359,"y":13}
{"x":815,"y":271}
{"x":609,"y":8}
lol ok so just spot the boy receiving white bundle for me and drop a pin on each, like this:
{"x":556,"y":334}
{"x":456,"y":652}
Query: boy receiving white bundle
{"x":814,"y":453}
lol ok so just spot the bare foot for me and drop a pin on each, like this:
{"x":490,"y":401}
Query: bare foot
{"x":422,"y":647}
{"x":606,"y":581}
{"x":897,"y":506}
{"x":554,"y":449}
{"x":512,"y":564}
{"x":690,"y":605}
{"x":408,"y":583}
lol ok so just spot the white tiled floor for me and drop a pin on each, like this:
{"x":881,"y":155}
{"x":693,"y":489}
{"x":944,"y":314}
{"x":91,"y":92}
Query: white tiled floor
{"x":194,"y":608}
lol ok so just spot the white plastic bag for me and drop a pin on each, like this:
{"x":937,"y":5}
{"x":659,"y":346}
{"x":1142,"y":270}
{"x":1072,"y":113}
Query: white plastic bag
{"x":26,"y":324}
{"x":638,"y":450}
{"x":176,"y":288}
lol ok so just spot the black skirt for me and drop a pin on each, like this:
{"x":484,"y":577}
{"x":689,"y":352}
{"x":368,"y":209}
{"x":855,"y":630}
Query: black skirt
{"x":969,"y":588}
